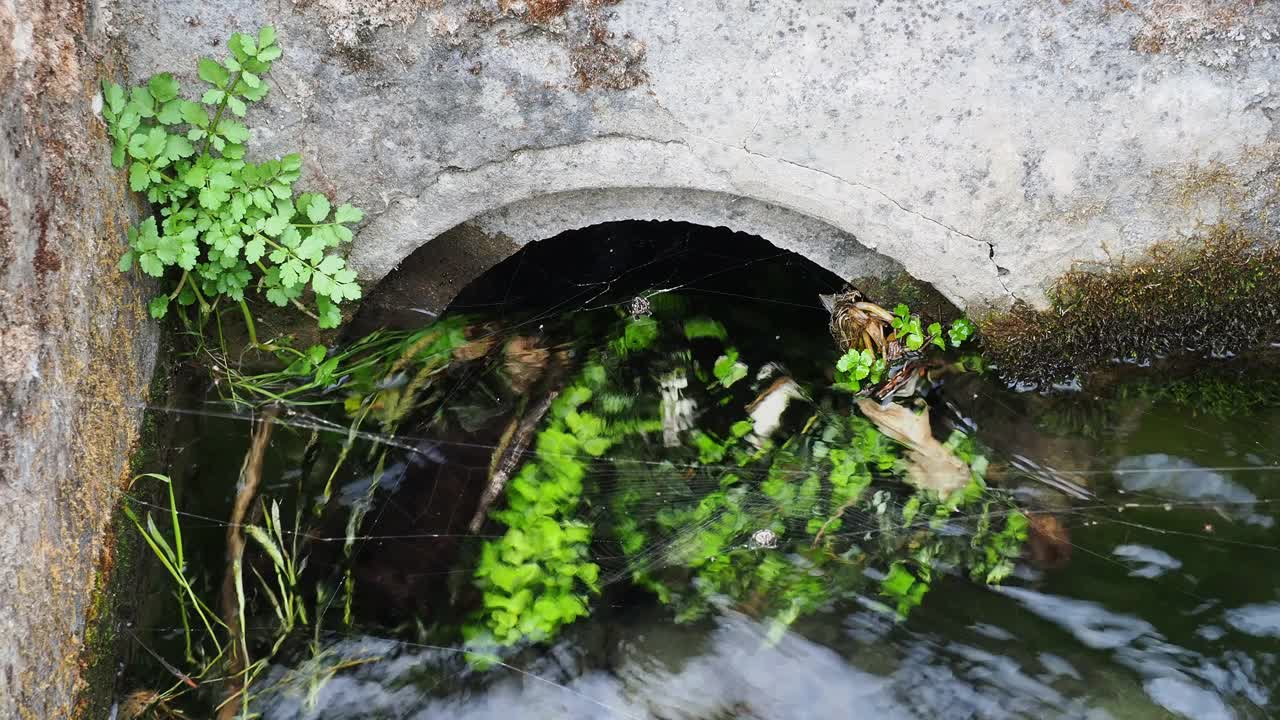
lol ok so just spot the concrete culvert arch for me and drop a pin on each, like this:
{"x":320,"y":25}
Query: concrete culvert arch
{"x":432,"y":275}
{"x":848,"y":230}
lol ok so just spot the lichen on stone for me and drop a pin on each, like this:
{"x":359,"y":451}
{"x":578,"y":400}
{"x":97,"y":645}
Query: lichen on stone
{"x":1215,"y":33}
{"x":349,"y":22}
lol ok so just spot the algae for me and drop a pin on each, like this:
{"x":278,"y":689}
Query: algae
{"x":1212,"y":297}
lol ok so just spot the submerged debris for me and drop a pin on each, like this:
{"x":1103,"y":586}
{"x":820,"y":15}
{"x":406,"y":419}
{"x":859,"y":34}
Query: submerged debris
{"x":857,"y":323}
{"x":766,"y":410}
{"x":765,"y":539}
{"x":508,"y":454}
{"x":930,"y":464}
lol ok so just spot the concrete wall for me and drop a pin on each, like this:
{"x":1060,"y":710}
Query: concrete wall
{"x":986,"y":146}
{"x":76,"y":349}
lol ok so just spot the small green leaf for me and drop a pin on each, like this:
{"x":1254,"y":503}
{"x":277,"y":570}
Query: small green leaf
{"x":141,"y":102}
{"x":139,"y":176}
{"x":233,"y":131}
{"x":170,"y":113}
{"x":254,"y":249}
{"x":318,"y":209}
{"x":155,"y":142}
{"x":212,"y":72}
{"x":236,"y":105}
{"x":311,"y":249}
{"x":126,"y":261}
{"x":163,"y":87}
{"x":194,"y":113}
{"x":275,"y":225}
{"x":159,"y":306}
{"x":113,"y":97}
{"x":269,"y":54}
{"x":330,"y":315}
{"x":348,"y":213}
{"x":331,"y":264}
{"x":177,"y":147}
{"x":266,"y":36}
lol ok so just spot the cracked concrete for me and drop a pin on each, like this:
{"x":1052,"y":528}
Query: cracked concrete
{"x":984,"y":151}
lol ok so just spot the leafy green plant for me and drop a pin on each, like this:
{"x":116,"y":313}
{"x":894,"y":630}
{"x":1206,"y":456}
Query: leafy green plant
{"x":858,"y":366}
{"x":728,"y":369}
{"x":907,"y":327}
{"x":538,"y":576}
{"x":221,"y":225}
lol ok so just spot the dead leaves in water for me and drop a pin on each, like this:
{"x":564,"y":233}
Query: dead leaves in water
{"x":930,"y":465}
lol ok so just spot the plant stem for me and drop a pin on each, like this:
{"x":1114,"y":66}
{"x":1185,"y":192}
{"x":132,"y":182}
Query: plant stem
{"x":217,"y":116}
{"x":248,"y":321}
{"x":181,"y":281}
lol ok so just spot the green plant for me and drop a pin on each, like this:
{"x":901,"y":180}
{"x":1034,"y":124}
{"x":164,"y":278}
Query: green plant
{"x":222,"y":224}
{"x":537,"y":576}
{"x":171,"y":552}
{"x":907,"y":327}
{"x":858,"y":366}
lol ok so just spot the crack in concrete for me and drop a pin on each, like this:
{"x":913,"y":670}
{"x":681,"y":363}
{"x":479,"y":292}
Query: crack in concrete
{"x":991,"y":248}
{"x":452,"y":170}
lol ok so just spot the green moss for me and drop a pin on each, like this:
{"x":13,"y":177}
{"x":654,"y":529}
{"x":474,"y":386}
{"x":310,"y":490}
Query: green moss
{"x":1213,"y":393}
{"x":1213,"y":296}
{"x":120,"y":569}
{"x":1217,"y":389}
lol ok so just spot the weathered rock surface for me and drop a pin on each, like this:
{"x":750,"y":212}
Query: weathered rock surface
{"x":984,"y":147}
{"x":76,"y":349}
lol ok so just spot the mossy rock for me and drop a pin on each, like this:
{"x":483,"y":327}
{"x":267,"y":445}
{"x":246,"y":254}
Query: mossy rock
{"x":1214,"y":296}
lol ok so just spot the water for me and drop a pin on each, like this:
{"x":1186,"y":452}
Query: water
{"x":1154,"y":595}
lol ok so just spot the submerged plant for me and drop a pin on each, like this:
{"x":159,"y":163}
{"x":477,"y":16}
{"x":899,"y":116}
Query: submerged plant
{"x":222,"y":226}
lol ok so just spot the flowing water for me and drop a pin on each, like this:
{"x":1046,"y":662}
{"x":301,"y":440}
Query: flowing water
{"x":661,"y":550}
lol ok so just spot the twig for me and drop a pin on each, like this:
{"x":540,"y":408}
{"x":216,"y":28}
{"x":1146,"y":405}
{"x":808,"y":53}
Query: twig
{"x":232,"y":581}
{"x":834,"y":517}
{"x":507,"y":456}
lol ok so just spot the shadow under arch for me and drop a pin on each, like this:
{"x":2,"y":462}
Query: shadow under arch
{"x":431,"y":277}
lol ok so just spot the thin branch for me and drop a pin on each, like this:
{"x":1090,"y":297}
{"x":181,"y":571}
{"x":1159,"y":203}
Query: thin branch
{"x":232,"y":581}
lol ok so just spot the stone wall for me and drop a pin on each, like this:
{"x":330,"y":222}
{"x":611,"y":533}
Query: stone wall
{"x":984,"y":146}
{"x":76,"y":349}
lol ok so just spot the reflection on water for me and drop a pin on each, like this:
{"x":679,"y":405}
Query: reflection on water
{"x":731,"y":578}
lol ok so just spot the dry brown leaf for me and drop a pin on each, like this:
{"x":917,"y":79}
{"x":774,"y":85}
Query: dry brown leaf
{"x":930,"y":465}
{"x":525,"y":362}
{"x":480,"y":342}
{"x":1049,"y":541}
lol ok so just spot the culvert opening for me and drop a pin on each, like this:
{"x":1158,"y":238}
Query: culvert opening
{"x":614,"y":262}
{"x":466,"y":267}
{"x":617,"y":497}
